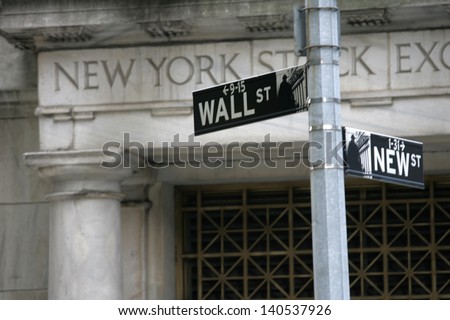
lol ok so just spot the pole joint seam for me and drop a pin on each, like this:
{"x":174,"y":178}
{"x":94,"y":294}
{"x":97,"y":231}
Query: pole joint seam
{"x":324,"y":166}
{"x":325,"y":99}
{"x":325,"y":127}
{"x":319,"y":62}
{"x":333,"y":46}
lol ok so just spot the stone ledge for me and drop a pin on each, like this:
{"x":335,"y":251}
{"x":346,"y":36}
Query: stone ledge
{"x":84,"y":194}
{"x":384,"y":97}
{"x":87,"y":112}
{"x":60,"y":158}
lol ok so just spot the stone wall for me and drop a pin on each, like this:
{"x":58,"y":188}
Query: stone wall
{"x":23,"y":211}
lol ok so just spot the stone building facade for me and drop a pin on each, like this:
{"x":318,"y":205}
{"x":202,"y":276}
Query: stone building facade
{"x":81,"y":77}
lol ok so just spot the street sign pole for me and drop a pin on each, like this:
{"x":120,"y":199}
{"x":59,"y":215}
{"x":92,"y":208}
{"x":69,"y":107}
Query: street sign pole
{"x":329,"y":229}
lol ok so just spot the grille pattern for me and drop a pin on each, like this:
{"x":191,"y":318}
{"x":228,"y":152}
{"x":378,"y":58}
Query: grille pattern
{"x":255,"y":242}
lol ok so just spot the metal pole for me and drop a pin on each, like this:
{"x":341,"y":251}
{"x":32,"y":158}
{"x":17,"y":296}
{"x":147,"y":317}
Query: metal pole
{"x":329,"y":228}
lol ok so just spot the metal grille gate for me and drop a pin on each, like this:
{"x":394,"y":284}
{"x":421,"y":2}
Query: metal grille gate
{"x":254,"y":242}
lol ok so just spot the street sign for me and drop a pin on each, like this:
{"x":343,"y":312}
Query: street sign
{"x":250,"y":100}
{"x":385,"y":158}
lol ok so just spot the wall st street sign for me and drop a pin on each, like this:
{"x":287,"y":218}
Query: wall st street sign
{"x":250,"y":100}
{"x":381,"y":157}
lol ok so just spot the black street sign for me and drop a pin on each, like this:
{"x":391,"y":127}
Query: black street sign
{"x":385,"y":158}
{"x":250,"y":100}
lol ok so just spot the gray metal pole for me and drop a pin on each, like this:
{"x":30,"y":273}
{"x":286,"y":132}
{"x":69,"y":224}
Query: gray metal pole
{"x":329,"y":229}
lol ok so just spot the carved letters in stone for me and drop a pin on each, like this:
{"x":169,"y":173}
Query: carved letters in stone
{"x":381,"y":62}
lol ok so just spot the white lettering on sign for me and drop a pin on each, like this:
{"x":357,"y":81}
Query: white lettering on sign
{"x":210,"y":112}
{"x":403,"y":163}
{"x":389,"y":159}
{"x":234,"y":114}
{"x":221,"y":111}
{"x":395,"y":162}
{"x":415,"y":160}
{"x":247,"y":111}
{"x":260,"y":96}
{"x":206,"y":112}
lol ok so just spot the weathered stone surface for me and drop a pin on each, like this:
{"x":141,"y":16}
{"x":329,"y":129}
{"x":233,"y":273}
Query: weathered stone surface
{"x":18,"y":183}
{"x":20,"y":66}
{"x":161,"y":243}
{"x":24,"y":295}
{"x":133,"y":251}
{"x":23,"y":247}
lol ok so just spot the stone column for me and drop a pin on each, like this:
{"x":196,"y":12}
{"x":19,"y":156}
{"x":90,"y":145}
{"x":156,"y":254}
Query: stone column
{"x":161,"y":283}
{"x":85,"y":237}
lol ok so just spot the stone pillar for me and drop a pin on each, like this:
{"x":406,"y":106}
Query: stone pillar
{"x":161,"y":283}
{"x":85,"y":234}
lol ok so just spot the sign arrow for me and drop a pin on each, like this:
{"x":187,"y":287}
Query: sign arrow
{"x":225,"y":90}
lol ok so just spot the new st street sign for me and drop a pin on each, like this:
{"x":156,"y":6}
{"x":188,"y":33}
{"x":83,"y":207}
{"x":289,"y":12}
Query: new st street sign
{"x":250,"y":100}
{"x":385,"y":158}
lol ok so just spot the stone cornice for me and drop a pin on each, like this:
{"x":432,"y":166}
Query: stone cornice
{"x":22,"y":40}
{"x":365,"y":18}
{"x":45,"y":26}
{"x":166,"y":29}
{"x":68,"y":34}
{"x":31,"y":39}
{"x":266,"y":23}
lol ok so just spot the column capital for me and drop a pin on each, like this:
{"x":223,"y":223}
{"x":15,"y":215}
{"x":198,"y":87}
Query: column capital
{"x":42,"y":159}
{"x":80,"y":173}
